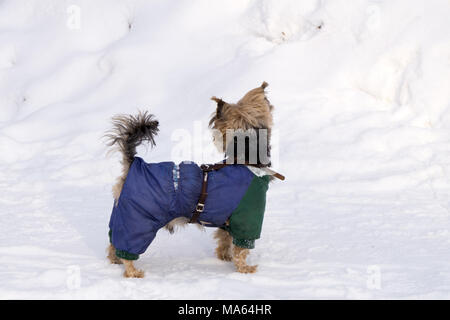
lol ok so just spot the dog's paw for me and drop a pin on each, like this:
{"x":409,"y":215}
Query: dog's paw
{"x":114,"y":260}
{"x":136,"y":273}
{"x":223,"y":255}
{"x":247,"y":269}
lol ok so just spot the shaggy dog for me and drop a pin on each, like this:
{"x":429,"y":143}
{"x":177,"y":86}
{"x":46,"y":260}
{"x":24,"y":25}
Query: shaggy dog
{"x":150,"y":196}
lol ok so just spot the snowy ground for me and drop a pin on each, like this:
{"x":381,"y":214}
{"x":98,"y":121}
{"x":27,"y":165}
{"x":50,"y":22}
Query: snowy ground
{"x":362,"y":126}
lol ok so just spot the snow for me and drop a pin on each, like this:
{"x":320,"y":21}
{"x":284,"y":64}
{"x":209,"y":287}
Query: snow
{"x":362,"y":118}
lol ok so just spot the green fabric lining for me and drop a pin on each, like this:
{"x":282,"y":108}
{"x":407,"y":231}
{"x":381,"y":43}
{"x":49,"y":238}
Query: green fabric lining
{"x":122,"y":253}
{"x":244,"y":243}
{"x":126,"y":255}
{"x":246,"y":220}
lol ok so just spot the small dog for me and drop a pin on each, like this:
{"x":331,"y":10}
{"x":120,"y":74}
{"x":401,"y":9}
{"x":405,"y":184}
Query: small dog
{"x":149,"y":196}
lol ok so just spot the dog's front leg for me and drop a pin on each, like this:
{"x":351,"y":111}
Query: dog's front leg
{"x":224,"y":242}
{"x":239,"y":259}
{"x":130,"y":270}
{"x":112,"y":255}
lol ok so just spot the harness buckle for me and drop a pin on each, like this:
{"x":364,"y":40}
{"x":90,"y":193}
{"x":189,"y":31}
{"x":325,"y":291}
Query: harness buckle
{"x":200,"y":207}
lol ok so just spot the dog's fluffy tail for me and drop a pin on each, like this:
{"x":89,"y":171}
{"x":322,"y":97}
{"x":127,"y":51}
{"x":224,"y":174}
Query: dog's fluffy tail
{"x":130,"y":131}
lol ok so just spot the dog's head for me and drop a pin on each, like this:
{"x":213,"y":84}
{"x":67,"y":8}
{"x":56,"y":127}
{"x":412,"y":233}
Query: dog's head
{"x":250,"y":119}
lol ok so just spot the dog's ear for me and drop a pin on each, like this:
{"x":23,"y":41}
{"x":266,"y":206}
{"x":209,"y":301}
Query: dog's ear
{"x":264,"y":85}
{"x":220,"y":104}
{"x":256,"y":97}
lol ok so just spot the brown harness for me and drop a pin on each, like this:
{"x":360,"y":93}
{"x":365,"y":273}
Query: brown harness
{"x":208,"y":168}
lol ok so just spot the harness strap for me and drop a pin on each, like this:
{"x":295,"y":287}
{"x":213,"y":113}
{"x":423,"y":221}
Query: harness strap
{"x":208,"y":168}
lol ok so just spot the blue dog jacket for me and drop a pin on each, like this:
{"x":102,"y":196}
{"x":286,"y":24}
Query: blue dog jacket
{"x":156,"y":193}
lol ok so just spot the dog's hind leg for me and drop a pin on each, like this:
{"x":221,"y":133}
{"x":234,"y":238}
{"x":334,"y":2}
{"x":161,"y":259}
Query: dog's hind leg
{"x":112,"y":255}
{"x":224,"y":242}
{"x":130,"y":270}
{"x":239,"y":259}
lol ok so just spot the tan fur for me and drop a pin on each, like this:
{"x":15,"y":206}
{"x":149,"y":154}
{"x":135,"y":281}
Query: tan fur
{"x":180,"y":223}
{"x":239,"y":259}
{"x":176,"y":223}
{"x":130,"y":270}
{"x":117,"y":188}
{"x":252,"y":111}
{"x":112,"y":255}
{"x":224,"y":243}
{"x":227,"y":252}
